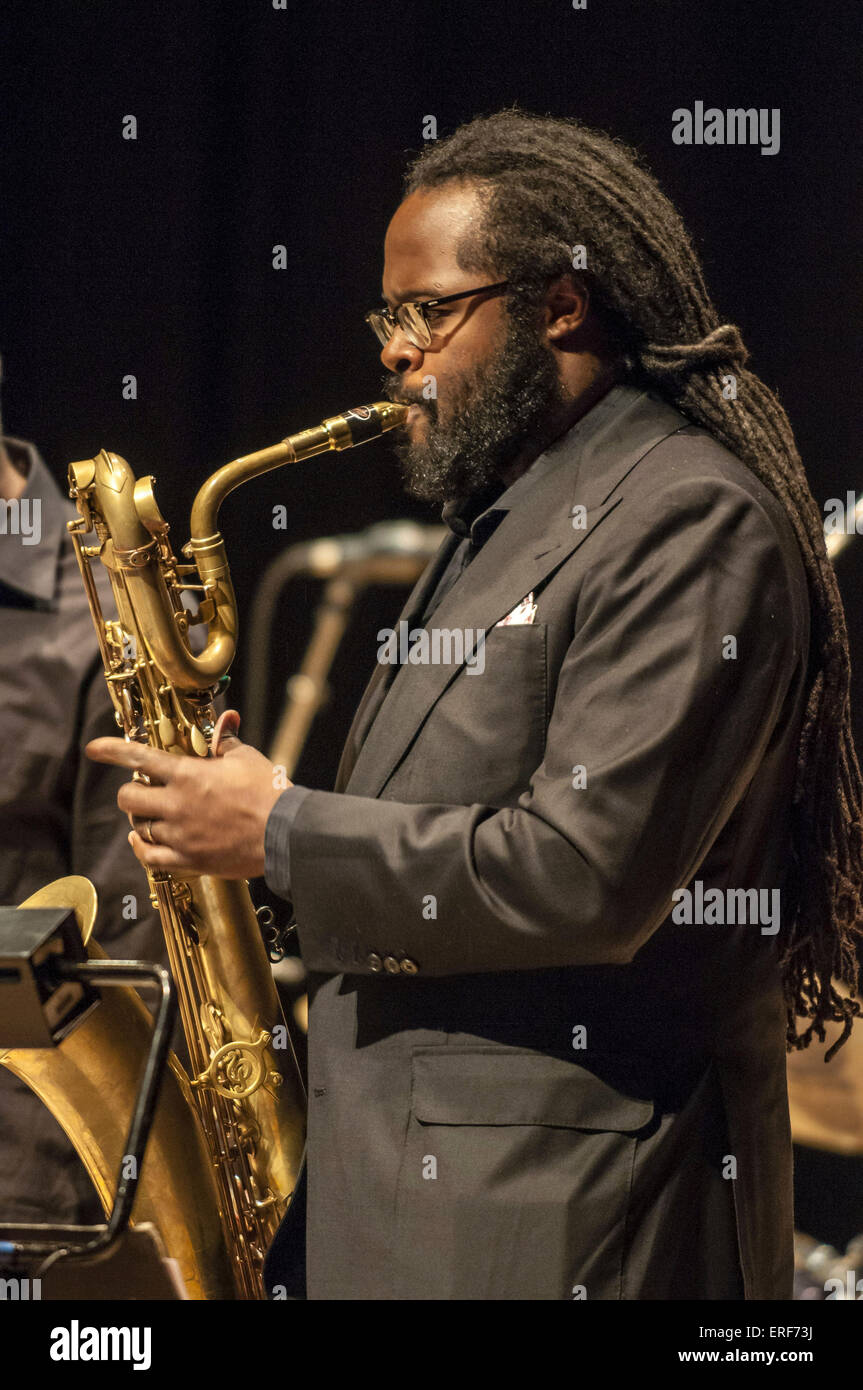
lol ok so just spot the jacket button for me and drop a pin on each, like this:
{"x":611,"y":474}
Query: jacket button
{"x":409,"y":967}
{"x":391,"y":965}
{"x":374,"y":962}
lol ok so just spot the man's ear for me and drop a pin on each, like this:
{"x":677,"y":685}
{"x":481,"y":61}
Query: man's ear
{"x":566,"y":306}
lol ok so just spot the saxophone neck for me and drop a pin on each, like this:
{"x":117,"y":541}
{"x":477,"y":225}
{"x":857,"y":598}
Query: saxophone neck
{"x":339,"y":432}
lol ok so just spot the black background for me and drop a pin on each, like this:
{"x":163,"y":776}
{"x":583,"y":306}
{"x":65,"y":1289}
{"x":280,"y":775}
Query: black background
{"x":259,"y":127}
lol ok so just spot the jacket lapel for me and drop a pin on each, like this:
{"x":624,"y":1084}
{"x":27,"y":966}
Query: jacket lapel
{"x":383,"y":674}
{"x":531,"y":542}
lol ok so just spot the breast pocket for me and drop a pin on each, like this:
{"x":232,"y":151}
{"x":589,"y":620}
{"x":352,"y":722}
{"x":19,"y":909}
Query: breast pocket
{"x":514,"y":1179}
{"x":485,"y":736}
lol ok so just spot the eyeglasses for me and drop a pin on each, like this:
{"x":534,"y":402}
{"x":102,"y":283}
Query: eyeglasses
{"x":418,"y":320}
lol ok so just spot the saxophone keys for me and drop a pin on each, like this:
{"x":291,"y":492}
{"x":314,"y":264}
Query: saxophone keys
{"x":167,"y":732}
{"x":199,"y":743}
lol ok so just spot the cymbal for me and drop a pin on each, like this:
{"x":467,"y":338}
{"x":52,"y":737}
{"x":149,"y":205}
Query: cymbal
{"x":827,"y":1100}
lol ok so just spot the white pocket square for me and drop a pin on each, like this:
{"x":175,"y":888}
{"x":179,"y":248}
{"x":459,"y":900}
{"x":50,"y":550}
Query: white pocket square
{"x":524,"y":612}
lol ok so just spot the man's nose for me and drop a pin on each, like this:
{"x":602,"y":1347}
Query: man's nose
{"x":400,"y":354}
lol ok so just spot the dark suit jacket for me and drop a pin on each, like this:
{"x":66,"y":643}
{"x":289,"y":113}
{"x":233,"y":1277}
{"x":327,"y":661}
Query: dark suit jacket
{"x":560,"y":1092}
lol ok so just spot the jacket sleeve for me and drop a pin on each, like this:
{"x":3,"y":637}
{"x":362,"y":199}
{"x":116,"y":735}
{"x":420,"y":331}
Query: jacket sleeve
{"x":277,"y":840}
{"x":688,"y":628}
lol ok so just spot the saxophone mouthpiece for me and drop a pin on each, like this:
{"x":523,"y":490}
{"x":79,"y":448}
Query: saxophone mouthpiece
{"x":364,"y":422}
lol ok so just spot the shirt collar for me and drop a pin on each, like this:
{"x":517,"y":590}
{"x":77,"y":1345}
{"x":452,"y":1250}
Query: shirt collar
{"x":28,"y":564}
{"x":481,"y":512}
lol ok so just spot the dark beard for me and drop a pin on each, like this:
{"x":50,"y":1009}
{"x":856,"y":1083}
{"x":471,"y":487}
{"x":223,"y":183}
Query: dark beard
{"x":494,"y":411}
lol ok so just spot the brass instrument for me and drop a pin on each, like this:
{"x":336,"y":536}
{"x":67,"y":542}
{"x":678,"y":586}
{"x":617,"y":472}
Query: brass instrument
{"x":245,"y":1090}
{"x":89,"y":1084}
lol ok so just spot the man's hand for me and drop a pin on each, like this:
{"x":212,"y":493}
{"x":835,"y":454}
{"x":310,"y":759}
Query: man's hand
{"x":198,"y":815}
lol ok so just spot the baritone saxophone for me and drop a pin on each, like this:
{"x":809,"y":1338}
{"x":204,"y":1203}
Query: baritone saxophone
{"x":244,"y":1087}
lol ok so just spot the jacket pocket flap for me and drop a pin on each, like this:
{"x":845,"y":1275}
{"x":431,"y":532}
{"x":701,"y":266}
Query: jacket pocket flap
{"x":518,"y":1088}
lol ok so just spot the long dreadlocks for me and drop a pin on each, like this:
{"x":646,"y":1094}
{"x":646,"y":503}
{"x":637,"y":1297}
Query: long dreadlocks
{"x":549,"y":185}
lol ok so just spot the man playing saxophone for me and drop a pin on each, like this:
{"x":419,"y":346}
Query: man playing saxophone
{"x":566,"y":903}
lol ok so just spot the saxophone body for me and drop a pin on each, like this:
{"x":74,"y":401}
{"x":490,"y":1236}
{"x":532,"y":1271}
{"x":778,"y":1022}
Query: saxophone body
{"x":230,"y":1133}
